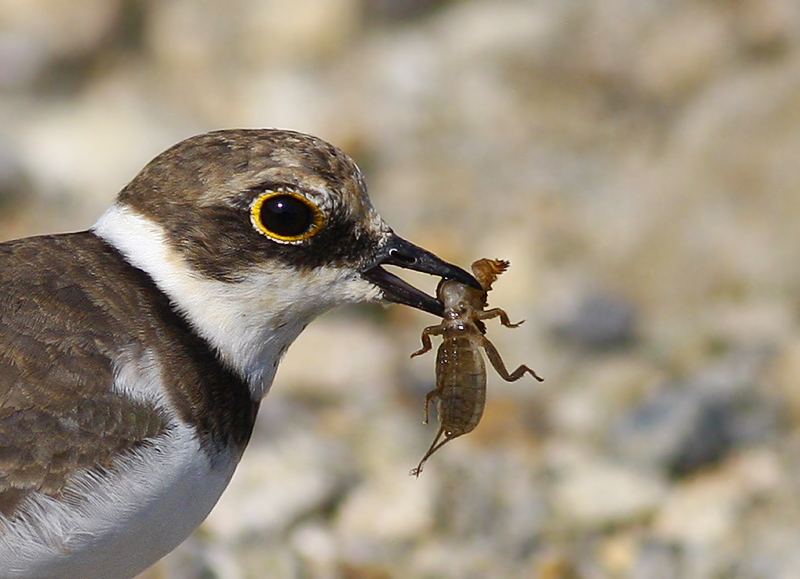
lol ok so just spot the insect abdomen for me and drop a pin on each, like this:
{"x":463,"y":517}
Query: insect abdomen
{"x":461,"y":385}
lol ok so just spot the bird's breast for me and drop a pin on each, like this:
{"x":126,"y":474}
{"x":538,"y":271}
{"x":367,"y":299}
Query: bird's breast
{"x":121,"y":521}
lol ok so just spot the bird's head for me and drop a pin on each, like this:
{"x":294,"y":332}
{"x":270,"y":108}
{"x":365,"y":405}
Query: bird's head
{"x":260,"y":231}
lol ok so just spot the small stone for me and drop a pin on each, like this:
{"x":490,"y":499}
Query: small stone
{"x":687,"y":426}
{"x":357,"y":358}
{"x":767,"y":26}
{"x":676,"y":430}
{"x":684,"y":51}
{"x":701,"y":512}
{"x":783,"y":373}
{"x":599,"y":394}
{"x":618,"y":552}
{"x":316,"y":544}
{"x":705,"y":511}
{"x":387,"y":508}
{"x":656,"y":560}
{"x":597,"y":494}
{"x":599,"y":322}
{"x":454,"y":559}
{"x":36,"y":34}
{"x":276,"y":485}
{"x":302,"y":30}
{"x":399,"y":10}
{"x":15,"y":190}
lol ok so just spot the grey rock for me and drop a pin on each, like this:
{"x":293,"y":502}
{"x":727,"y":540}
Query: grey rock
{"x":657,"y":560}
{"x":596,"y":494}
{"x":15,"y":188}
{"x":688,"y":425}
{"x":399,"y":10}
{"x":600,"y":322}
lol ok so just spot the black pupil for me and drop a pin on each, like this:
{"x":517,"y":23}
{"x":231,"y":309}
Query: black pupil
{"x":286,"y":216}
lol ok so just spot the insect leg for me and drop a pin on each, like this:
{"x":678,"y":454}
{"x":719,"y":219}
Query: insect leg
{"x":497,"y":362}
{"x":435,"y":445}
{"x":428,"y":398}
{"x":497,"y":312}
{"x":426,"y":339}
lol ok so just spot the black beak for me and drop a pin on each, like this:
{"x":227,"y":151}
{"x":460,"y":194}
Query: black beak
{"x":397,"y":251}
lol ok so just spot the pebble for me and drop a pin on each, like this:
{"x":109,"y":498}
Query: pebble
{"x":35,"y":34}
{"x":358,"y":358}
{"x":599,"y":322}
{"x":275,"y":485}
{"x":783,"y":372}
{"x":706,"y":510}
{"x":677,"y":430}
{"x":701,"y":512}
{"x":496,"y":492}
{"x":316,"y":544}
{"x":598,"y":494}
{"x":684,"y":50}
{"x":399,"y":10}
{"x":656,"y":559}
{"x":767,"y":26}
{"x":684,"y":427}
{"x":385,"y":510}
{"x":15,"y":190}
{"x":601,"y":392}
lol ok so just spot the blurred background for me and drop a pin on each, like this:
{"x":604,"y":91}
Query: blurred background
{"x":637,"y":161}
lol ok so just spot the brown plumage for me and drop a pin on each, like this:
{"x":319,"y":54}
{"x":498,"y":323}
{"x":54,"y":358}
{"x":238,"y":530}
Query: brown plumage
{"x":58,"y":420}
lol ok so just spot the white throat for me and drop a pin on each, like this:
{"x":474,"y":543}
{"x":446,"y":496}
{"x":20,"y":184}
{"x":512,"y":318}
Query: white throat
{"x":251,"y":322}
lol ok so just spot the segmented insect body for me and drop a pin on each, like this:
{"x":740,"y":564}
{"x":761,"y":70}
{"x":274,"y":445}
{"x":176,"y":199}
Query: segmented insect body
{"x":460,"y":392}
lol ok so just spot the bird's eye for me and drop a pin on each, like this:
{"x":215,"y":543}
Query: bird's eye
{"x":286,"y":217}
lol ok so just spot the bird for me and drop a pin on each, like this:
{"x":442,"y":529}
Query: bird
{"x":134,"y":355}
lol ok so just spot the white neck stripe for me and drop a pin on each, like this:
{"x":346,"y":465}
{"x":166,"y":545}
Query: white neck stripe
{"x":250,"y":323}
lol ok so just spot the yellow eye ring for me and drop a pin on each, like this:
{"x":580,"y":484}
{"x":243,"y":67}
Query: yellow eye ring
{"x":286,"y":216}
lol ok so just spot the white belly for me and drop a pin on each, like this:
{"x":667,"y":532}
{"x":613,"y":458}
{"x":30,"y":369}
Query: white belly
{"x":118,"y":525}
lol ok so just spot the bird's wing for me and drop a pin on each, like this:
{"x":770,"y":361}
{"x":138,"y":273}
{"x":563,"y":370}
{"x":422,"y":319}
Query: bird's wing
{"x":59,"y":412}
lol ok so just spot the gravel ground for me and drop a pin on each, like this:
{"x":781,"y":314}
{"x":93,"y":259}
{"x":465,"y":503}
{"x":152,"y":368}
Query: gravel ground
{"x":635,"y":160}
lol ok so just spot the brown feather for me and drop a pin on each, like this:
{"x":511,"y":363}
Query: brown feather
{"x":61,"y":332}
